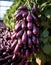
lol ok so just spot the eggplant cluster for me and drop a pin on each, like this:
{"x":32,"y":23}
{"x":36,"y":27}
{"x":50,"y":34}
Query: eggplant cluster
{"x":25,"y":37}
{"x":5,"y":52}
{"x":18,"y":45}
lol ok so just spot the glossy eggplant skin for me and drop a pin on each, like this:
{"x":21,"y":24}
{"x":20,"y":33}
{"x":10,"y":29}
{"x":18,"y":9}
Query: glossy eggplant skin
{"x":35,"y":30}
{"x":19,"y":34}
{"x":19,"y":16}
{"x":17,"y":27}
{"x":29,"y":18}
{"x":24,"y":25}
{"x":24,"y":38}
{"x":29,"y":33}
{"x":29,"y":25}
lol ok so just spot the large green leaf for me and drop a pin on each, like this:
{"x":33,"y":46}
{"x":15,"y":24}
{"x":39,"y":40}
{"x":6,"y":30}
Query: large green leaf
{"x":47,"y":49}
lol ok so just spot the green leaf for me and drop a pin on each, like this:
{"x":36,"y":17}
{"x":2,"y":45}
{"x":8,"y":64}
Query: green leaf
{"x":45,"y":33}
{"x":46,"y":3}
{"x":44,"y":36}
{"x":44,"y":40}
{"x":47,"y":49}
{"x":40,"y":2}
{"x":48,"y":12}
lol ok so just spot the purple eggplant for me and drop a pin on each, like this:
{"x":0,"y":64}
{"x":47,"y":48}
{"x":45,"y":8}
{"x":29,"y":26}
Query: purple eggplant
{"x":18,"y":26}
{"x":29,"y":25}
{"x":36,"y":21}
{"x":19,"y":42}
{"x":22,"y":8}
{"x":1,"y":40}
{"x":35,"y":30}
{"x":8,"y":57}
{"x":13,"y":44}
{"x":19,"y":16}
{"x":29,"y":18}
{"x":4,"y":54}
{"x":34,"y":39}
{"x":13,"y":36}
{"x":17,"y":48}
{"x":29,"y":42}
{"x":19,"y":34}
{"x":24,"y":38}
{"x":2,"y":60}
{"x":24,"y":25}
{"x":24,"y":14}
{"x":35,"y":9}
{"x":27,"y":53}
{"x":29,"y":33}
{"x":14,"y":57}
